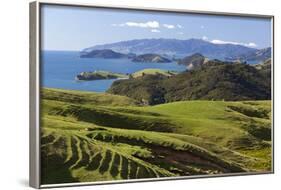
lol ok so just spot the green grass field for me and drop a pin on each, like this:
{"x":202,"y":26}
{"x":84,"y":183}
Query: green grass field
{"x":153,"y":72}
{"x":90,"y":137}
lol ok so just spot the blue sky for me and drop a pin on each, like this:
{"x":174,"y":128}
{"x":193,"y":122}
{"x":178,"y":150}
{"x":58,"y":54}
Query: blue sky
{"x":76,"y":28}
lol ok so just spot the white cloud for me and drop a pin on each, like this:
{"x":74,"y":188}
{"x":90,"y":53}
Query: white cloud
{"x":180,"y":33}
{"x":169,"y":26}
{"x":179,"y":26}
{"x":149,"y":24}
{"x":251,"y":44}
{"x":205,"y":38}
{"x":202,"y":27}
{"x":155,"y":30}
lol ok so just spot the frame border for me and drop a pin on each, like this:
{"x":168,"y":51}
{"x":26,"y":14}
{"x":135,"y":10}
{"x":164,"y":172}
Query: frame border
{"x":35,"y":85}
{"x":34,"y":96}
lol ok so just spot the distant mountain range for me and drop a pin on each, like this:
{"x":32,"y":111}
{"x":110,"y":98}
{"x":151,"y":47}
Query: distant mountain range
{"x":176,"y":47}
{"x":256,"y":56}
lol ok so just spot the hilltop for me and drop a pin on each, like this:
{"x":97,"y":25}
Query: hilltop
{"x":150,"y":57}
{"x":161,"y":72}
{"x":193,"y":61}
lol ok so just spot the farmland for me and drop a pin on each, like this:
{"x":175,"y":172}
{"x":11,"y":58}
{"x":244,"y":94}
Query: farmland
{"x":88,"y":136}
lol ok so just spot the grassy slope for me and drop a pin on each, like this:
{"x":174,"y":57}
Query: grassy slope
{"x":91,"y":137}
{"x":78,"y":97}
{"x":153,"y":72}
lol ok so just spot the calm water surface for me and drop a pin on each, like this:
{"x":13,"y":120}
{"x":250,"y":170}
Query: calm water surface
{"x":59,"y":69}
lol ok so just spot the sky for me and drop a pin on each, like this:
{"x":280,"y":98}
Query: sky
{"x":76,"y":28}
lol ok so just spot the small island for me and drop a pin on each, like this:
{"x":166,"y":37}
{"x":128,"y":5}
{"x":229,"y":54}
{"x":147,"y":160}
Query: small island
{"x":150,"y":57}
{"x":100,"y":75}
{"x":104,"y":53}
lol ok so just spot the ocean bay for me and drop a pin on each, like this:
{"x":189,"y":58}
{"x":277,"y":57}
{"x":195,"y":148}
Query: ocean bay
{"x":59,"y":69}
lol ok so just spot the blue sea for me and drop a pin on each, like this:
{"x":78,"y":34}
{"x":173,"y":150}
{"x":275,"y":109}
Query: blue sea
{"x":59,"y":68}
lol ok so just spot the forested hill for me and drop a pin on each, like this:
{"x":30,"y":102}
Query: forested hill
{"x":215,"y":80}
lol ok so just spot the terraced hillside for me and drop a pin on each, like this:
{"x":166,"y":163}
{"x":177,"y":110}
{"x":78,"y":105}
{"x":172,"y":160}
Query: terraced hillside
{"x":95,"y":137}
